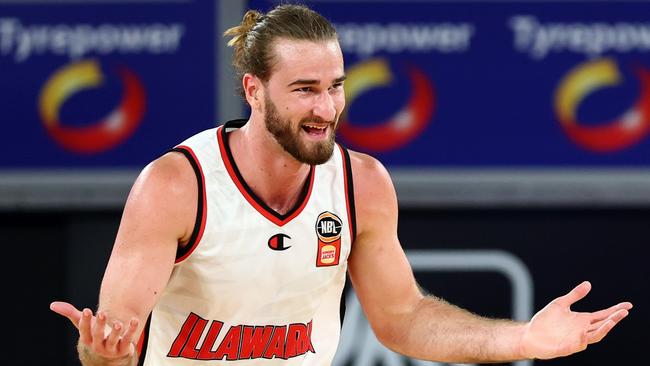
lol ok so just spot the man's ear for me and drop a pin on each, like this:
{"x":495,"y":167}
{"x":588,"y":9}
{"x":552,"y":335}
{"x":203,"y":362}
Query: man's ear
{"x":251,"y":85}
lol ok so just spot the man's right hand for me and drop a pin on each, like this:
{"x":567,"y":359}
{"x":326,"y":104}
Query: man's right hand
{"x":100,"y":343}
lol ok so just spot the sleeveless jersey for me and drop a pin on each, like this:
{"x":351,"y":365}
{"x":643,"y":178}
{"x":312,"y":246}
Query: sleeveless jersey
{"x":254,"y":287}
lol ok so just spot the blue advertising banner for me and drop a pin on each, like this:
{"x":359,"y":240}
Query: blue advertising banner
{"x":110,"y":84}
{"x":528,"y":84}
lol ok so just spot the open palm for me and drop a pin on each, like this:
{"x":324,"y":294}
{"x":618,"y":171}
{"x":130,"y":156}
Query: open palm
{"x":107,"y":341}
{"x":557,"y":331}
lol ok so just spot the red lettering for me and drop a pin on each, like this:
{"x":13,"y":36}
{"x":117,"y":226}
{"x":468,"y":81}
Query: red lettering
{"x":308,"y":337}
{"x":276,"y":346}
{"x":183,"y":335}
{"x":241,"y":342}
{"x":254,"y":341}
{"x":206,"y":348}
{"x":229,"y":346}
{"x":190,"y":351}
{"x":294,"y":338}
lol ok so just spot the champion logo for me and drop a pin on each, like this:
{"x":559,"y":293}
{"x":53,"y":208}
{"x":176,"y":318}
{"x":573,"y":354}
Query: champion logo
{"x":278,"y":242}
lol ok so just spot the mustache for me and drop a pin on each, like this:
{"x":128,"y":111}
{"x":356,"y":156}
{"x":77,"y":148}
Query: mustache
{"x":315,"y":119}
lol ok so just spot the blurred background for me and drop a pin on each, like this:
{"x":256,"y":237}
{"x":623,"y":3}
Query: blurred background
{"x":516,"y":133}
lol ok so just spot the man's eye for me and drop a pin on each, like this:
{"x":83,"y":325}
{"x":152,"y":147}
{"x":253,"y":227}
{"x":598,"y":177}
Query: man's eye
{"x":304,"y":90}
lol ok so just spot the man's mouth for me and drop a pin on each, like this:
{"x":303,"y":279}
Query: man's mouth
{"x":315,"y":129}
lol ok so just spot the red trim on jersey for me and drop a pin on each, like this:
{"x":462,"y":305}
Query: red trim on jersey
{"x":201,"y":187}
{"x":254,"y":201}
{"x":347,"y":170}
{"x":141,"y":343}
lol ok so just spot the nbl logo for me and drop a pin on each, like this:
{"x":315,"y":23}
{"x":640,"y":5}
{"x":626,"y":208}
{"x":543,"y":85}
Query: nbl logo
{"x":328,"y":230}
{"x":328,"y":227}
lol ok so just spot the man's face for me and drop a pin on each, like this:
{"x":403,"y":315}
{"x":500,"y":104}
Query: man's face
{"x":288,"y":135}
{"x":304,"y":98}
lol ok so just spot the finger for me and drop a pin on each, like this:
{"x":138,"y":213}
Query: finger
{"x":576,"y":294}
{"x":68,"y":310}
{"x":607,"y":325}
{"x":85,"y":336}
{"x":114,"y":336}
{"x":98,"y":330}
{"x":594,"y":326}
{"x":604,"y":314}
{"x":128,"y":337}
{"x":616,"y":316}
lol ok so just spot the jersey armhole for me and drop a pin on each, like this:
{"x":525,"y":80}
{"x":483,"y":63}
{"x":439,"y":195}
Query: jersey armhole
{"x":143,"y":342}
{"x":349,"y":193}
{"x":201,"y":207}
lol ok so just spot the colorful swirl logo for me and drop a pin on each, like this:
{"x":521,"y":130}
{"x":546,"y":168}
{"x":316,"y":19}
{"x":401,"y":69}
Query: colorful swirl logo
{"x":104,"y":134}
{"x":626,"y":130}
{"x":406,"y":124}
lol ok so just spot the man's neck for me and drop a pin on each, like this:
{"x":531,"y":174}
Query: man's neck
{"x":275,"y":176}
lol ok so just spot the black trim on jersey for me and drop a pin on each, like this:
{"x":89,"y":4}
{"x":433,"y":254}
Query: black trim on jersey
{"x":342,"y":308}
{"x":145,"y":340}
{"x":350,"y":192}
{"x":303,"y":194}
{"x":199,"y":208}
{"x":235,"y":123}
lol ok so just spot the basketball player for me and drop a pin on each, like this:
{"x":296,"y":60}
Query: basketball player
{"x":236,"y":244}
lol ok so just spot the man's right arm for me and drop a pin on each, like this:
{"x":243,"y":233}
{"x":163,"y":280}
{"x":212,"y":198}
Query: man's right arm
{"x":158,"y":217}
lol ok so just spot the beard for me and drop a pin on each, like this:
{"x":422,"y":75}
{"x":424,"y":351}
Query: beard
{"x":313,"y":153}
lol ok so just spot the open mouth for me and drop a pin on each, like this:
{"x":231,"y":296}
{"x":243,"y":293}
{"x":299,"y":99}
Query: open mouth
{"x":315,"y":130}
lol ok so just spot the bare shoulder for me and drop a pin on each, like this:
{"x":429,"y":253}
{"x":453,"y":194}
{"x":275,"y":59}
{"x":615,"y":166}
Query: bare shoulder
{"x":170,"y":173}
{"x":166,"y":194}
{"x":370,"y":177}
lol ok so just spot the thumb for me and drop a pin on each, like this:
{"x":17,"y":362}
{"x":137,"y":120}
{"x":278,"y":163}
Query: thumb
{"x":575,"y":295}
{"x":68,"y":310}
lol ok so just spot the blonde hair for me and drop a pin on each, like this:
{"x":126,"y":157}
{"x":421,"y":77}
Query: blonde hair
{"x":253,"y":37}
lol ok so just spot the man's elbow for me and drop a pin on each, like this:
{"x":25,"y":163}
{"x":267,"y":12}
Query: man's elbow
{"x":392,"y":334}
{"x":400,"y":329}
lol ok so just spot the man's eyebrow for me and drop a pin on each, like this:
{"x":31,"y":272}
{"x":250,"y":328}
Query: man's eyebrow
{"x":314,"y":81}
{"x":304,"y":82}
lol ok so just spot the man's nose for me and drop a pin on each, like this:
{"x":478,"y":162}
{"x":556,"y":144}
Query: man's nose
{"x":324,"y":107}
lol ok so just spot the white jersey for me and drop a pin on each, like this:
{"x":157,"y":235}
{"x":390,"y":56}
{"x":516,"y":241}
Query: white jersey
{"x":254,"y":287}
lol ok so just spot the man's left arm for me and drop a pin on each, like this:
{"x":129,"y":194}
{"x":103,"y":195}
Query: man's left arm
{"x":426,"y":327}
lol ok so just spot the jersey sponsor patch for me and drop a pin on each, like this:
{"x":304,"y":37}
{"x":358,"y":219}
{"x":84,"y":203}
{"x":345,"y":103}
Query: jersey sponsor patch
{"x":328,"y":230}
{"x":240,"y":342}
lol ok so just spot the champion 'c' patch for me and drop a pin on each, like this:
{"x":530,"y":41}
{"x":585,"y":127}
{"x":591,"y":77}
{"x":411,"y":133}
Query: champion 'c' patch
{"x":278,"y":242}
{"x":328,"y":230}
